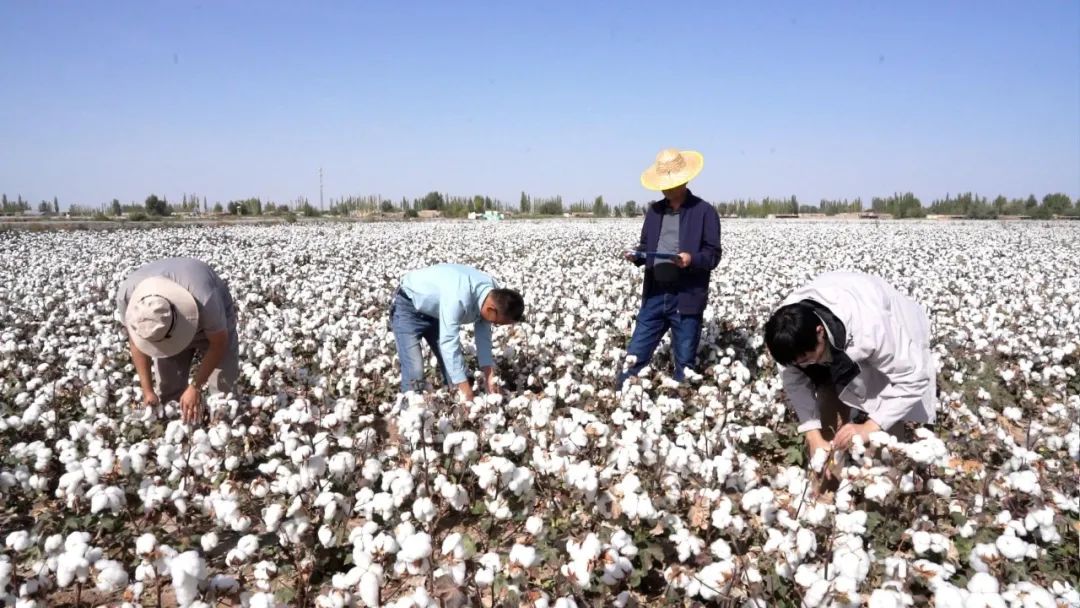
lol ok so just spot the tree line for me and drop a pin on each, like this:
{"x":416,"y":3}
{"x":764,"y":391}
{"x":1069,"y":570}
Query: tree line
{"x":898,"y":205}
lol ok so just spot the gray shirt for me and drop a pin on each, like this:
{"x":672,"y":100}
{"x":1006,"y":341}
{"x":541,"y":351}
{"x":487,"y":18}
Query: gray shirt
{"x":216,"y":308}
{"x":669,"y":236}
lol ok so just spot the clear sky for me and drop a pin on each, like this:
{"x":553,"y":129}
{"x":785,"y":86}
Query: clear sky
{"x":233,"y":99}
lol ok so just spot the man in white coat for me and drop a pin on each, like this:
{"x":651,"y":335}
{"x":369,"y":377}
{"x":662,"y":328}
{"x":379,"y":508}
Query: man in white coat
{"x":855,"y":356}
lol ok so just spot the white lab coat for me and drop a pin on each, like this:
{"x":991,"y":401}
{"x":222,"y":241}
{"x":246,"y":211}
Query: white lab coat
{"x":888,"y":337}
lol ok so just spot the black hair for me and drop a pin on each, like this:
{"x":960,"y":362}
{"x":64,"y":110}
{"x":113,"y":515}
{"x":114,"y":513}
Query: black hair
{"x":509,"y":303}
{"x":791,"y":332}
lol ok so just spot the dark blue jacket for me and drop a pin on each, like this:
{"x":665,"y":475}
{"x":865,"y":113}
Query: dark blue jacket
{"x":699,"y":235}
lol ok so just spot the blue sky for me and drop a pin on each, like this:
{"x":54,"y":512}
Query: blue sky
{"x":236,"y":99}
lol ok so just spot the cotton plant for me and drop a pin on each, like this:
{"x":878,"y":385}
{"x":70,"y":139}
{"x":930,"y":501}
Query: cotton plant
{"x":317,"y":449}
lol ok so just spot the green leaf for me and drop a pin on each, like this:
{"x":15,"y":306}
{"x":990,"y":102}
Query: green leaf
{"x":873,"y":520}
{"x":794,"y":455}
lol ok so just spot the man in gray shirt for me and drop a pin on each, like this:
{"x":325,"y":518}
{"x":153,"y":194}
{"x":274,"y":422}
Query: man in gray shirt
{"x":174,"y":308}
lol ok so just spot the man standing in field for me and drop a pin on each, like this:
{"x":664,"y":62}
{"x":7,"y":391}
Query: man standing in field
{"x":856,"y":359}
{"x":432,"y":304}
{"x":174,"y":308}
{"x":680,"y":246}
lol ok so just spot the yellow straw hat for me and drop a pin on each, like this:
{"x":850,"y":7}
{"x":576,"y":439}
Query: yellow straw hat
{"x":672,"y":168}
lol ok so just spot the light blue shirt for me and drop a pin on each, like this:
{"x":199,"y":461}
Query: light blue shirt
{"x":453,"y":294}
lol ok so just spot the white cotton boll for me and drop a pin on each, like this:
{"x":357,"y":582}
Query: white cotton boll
{"x":524,"y":556}
{"x":424,"y":510}
{"x":851,"y":523}
{"x":187,"y":571}
{"x":1011,"y":547}
{"x":940,"y":488}
{"x":272,"y":516}
{"x":18,"y":541}
{"x":720,"y":549}
{"x":1013,"y":413}
{"x":262,"y":599}
{"x":815,"y":594}
{"x":817,"y":463}
{"x":326,"y":536}
{"x":145,"y":544}
{"x":208,"y":541}
{"x":981,"y":554}
{"x":111,"y":576}
{"x":415,"y":548}
{"x":69,"y":567}
{"x":534,"y":525}
{"x":879,"y":490}
{"x":948,"y":596}
{"x":889,"y":598}
{"x":805,"y":542}
{"x":1026,"y":481}
{"x":53,"y":544}
{"x":981,"y":582}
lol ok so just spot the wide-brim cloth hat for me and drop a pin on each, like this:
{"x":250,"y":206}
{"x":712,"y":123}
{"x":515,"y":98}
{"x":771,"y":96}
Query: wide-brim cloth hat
{"x":672,"y":168}
{"x":162,"y":317}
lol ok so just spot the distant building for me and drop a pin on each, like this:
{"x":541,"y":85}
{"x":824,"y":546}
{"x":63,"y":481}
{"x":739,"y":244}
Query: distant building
{"x":430,"y":214}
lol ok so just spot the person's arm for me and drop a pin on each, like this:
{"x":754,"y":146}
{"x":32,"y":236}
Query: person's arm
{"x":800,"y":393}
{"x":450,"y":313}
{"x":708,"y":255}
{"x":642,"y":244}
{"x":142,"y":367}
{"x":219,"y":345}
{"x":482,"y":329}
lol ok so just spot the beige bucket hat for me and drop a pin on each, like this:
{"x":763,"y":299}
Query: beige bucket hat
{"x":672,"y":168}
{"x":162,"y":317}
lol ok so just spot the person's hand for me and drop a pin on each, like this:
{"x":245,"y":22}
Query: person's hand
{"x":190,"y":404}
{"x":682,"y":260}
{"x":629,"y":256}
{"x":849,"y":431}
{"x":816,"y":443}
{"x":150,"y":398}
{"x":465,"y":388}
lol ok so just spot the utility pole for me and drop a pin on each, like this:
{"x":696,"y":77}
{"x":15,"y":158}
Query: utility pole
{"x":320,"y":190}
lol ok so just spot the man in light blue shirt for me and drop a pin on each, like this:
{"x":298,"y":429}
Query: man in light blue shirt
{"x":432,"y":304}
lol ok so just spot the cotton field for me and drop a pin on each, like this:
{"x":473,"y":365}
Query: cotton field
{"x":318,"y":485}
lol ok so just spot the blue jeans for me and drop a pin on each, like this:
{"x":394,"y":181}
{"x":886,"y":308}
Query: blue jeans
{"x":659,"y":313}
{"x":410,"y":326}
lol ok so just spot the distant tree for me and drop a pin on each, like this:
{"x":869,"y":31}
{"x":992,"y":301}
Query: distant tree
{"x":157,"y":206}
{"x":1057,"y":203}
{"x":1031,"y":203}
{"x":117,"y":210}
{"x":523,"y":206}
{"x":218,"y":208}
{"x":44,"y":208}
{"x":386,"y":206}
{"x":599,"y":209}
{"x":794,"y":205}
{"x":432,"y":201}
{"x":630,"y":208}
{"x":56,"y":205}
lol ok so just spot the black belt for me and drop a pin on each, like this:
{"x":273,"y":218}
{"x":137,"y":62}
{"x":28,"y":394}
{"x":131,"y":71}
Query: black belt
{"x":401,"y":292}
